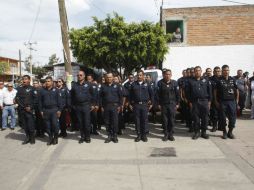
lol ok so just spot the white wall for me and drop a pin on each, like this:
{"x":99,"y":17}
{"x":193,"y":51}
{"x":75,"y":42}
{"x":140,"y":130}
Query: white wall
{"x":236,"y":56}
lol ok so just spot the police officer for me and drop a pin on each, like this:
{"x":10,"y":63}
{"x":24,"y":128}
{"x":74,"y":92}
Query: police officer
{"x":168,"y":97}
{"x":50,"y":107}
{"x":25,"y":99}
{"x":83,"y":100}
{"x":149,"y":80}
{"x":200,"y":95}
{"x":38,"y":118}
{"x":141,"y":98}
{"x":226,"y":99}
{"x":182,"y":105}
{"x":214,"y":112}
{"x":111,"y":100}
{"x":128,"y":114}
{"x":66,"y":103}
{"x":94,"y":117}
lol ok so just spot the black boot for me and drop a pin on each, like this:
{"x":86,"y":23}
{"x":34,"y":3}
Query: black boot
{"x":88,"y":139}
{"x":32,"y":138}
{"x":196,"y":135}
{"x":27,"y":140}
{"x":55,"y":139}
{"x":171,"y":137}
{"x":144,"y":138}
{"x":214,"y":129}
{"x":224,"y":136}
{"x":165,"y":138}
{"x":115,"y":139}
{"x":108,"y":140}
{"x":204,"y":135}
{"x":230,"y":133}
{"x":50,"y":141}
{"x":138,"y":138}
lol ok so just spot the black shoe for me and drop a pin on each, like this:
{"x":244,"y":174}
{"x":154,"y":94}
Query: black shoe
{"x":138,"y":138}
{"x":224,"y":136}
{"x":55,"y":140}
{"x":196,"y":136}
{"x":81,"y":141}
{"x":61,"y":134}
{"x":144,"y":138}
{"x":230,"y":134}
{"x":214,"y":129}
{"x":204,"y":135}
{"x":95,"y":132}
{"x":87,"y":140}
{"x":115,"y":139}
{"x":108,"y":140}
{"x":165,"y":138}
{"x":32,"y":141}
{"x":171,"y":138}
{"x":12,"y":128}
{"x":26,"y":141}
{"x":120,"y":132}
{"x":3,"y":129}
{"x":50,"y":142}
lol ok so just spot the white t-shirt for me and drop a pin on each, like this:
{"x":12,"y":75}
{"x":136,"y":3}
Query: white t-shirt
{"x":9,"y":96}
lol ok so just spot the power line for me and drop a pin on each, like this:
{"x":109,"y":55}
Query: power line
{"x":235,"y":2}
{"x":92,"y":4}
{"x":35,"y":21}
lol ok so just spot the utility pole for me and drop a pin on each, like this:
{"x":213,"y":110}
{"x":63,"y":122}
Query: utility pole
{"x":161,"y":9}
{"x":65,"y":36}
{"x":30,"y":47}
{"x":20,"y":65}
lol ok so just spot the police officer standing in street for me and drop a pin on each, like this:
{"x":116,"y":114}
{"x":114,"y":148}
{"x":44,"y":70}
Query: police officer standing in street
{"x":50,"y":107}
{"x":200,"y":95}
{"x":226,"y":97}
{"x":168,"y":98}
{"x":66,"y":103}
{"x":25,"y":98}
{"x":214,"y":112}
{"x":83,"y":100}
{"x":111,"y":100}
{"x":141,"y":98}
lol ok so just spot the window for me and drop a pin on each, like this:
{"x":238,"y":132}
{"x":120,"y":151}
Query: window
{"x":176,"y":28}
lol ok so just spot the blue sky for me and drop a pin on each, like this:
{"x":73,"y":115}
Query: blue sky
{"x":17,"y":20}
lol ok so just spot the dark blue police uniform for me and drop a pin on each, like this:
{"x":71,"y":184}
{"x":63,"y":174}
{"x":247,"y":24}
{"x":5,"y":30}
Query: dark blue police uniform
{"x":83,"y":97}
{"x":94,"y":117}
{"x":49,"y":105}
{"x":26,"y":97}
{"x":226,"y":96}
{"x":200,"y":94}
{"x":111,"y":98}
{"x":66,"y":103}
{"x":141,"y":94}
{"x":168,"y":98}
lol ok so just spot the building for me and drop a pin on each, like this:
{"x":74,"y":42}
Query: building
{"x":211,"y":36}
{"x":59,"y":70}
{"x":12,"y":71}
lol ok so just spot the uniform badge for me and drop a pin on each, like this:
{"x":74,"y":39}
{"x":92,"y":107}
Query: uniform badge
{"x":27,"y":90}
{"x":203,"y":80}
{"x":54,"y":90}
{"x":35,"y":92}
{"x":167,"y":85}
{"x":145,"y":84}
{"x":85,"y":85}
{"x":115,"y":86}
{"x":94,"y":86}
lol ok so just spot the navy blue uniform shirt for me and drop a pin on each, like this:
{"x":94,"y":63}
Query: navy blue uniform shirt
{"x":49,"y":99}
{"x":111,"y":94}
{"x":141,"y":92}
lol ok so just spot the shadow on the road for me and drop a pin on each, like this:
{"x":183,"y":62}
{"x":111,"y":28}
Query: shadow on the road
{"x":15,"y":136}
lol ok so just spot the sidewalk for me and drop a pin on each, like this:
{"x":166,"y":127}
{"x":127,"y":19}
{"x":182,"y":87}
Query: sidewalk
{"x":183,"y":164}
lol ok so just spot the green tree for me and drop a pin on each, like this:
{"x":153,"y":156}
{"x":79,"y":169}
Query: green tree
{"x":53,"y":59}
{"x":4,"y":66}
{"x":114,"y":45}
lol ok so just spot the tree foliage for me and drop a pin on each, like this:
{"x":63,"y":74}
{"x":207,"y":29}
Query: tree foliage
{"x":114,"y":45}
{"x":53,"y":59}
{"x":4,"y":66}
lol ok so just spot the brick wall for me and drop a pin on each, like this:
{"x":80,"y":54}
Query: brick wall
{"x":227,"y":25}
